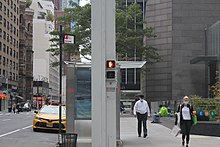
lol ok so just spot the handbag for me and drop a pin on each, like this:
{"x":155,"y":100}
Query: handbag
{"x":177,"y":120}
{"x":176,"y":130}
{"x":194,"y":119}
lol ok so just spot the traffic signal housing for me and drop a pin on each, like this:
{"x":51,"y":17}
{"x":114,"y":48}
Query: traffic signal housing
{"x":110,"y":69}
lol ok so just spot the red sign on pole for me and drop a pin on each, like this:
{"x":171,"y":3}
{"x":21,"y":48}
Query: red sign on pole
{"x":69,"y":39}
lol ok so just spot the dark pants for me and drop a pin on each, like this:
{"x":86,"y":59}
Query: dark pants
{"x":185,"y":126}
{"x":142,"y":118}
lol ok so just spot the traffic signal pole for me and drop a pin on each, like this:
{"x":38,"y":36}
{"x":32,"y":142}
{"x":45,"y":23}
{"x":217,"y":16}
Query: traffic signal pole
{"x":103,"y":89}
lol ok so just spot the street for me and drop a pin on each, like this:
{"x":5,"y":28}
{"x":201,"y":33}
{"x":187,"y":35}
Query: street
{"x":16,"y":131}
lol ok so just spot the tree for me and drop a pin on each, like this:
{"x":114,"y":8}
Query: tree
{"x":28,"y":3}
{"x":129,"y":32}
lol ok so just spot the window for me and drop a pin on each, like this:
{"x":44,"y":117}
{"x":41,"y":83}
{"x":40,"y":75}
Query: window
{"x":4,"y":48}
{"x":5,"y":10}
{"x":21,"y":18}
{"x":0,"y":33}
{"x":7,"y":37}
{"x":3,"y":73}
{"x":10,"y":51}
{"x":13,"y":65}
{"x":14,"y":7}
{"x":14,"y":42}
{"x":17,"y":46}
{"x":8,"y":13}
{"x":17,"y":55}
{"x":14,"y":31}
{"x":0,"y":19}
{"x":11,"y":39}
{"x":12,"y":4}
{"x":0,"y":6}
{"x":0,"y":46}
{"x":10,"y":77}
{"x":29,"y":25}
{"x":4,"y":22}
{"x":13,"y":76}
{"x":3,"y":62}
{"x":16,"y":66}
{"x":14,"y":53}
{"x":7,"y":25}
{"x":11,"y":16}
{"x":7,"y":52}
{"x":11,"y":28}
{"x":8,"y":2}
{"x":0,"y":59}
{"x":14,"y":19}
{"x":130,"y":76}
{"x":4,"y":35}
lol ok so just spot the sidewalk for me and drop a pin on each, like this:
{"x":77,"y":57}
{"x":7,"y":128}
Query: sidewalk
{"x":159,"y":136}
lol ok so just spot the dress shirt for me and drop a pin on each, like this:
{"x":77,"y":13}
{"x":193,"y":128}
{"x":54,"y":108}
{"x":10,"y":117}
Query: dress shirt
{"x":141,"y":106}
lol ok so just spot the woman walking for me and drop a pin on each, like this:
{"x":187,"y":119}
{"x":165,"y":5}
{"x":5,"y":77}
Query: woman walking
{"x":186,"y":119}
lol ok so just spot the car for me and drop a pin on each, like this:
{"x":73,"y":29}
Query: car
{"x":24,"y":106}
{"x":47,"y":118}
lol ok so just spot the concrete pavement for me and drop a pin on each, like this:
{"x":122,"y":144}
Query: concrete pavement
{"x":159,"y":136}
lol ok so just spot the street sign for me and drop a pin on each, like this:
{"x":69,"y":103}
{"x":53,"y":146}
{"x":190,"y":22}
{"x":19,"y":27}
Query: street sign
{"x":70,"y":39}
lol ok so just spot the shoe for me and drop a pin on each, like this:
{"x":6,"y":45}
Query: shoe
{"x":183,"y":143}
{"x":139,"y":135}
{"x":145,"y":135}
{"x":187,"y":145}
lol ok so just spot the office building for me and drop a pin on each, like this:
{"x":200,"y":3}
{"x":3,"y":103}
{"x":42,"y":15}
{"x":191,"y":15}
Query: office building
{"x":43,"y":24}
{"x":180,"y":27}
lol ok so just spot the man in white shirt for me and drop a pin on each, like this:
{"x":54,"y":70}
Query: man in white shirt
{"x":141,"y":109}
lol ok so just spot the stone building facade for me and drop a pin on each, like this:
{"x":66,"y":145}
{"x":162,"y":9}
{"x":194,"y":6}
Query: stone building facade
{"x":180,"y":28}
{"x":25,"y":85}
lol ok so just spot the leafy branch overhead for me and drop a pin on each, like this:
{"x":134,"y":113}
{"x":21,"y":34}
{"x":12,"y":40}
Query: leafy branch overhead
{"x":130,"y":32}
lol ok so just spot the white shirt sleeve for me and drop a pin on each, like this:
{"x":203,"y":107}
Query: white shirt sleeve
{"x":134,"y":109}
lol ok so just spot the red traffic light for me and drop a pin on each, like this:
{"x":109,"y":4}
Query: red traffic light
{"x":110,"y":64}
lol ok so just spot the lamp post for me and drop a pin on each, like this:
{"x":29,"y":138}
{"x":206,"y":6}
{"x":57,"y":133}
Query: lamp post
{"x":60,"y":90}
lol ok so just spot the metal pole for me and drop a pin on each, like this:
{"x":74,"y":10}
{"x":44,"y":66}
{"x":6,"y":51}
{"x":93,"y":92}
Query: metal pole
{"x":6,"y":101}
{"x":60,"y":103}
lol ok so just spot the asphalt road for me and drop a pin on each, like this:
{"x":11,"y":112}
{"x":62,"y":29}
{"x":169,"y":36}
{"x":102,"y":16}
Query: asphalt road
{"x":16,"y":131}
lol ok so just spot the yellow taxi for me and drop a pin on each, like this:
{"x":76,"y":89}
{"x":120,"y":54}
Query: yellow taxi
{"x":47,"y":118}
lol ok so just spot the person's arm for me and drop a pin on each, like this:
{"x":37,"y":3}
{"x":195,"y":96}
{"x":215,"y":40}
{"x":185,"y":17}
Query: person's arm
{"x":148,"y":109}
{"x":134,"y":110}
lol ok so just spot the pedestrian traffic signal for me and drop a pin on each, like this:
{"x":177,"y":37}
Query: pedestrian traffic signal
{"x":110,"y":74}
{"x":110,"y":64}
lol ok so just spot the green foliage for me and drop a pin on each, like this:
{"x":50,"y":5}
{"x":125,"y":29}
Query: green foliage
{"x":28,"y":3}
{"x":129,"y":32}
{"x":50,"y":16}
{"x":207,"y":105}
{"x":215,"y":89}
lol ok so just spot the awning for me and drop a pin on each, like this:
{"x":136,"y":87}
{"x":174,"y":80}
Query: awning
{"x":131,"y":64}
{"x":3,"y":96}
{"x":20,"y":97}
{"x":204,"y":59}
{"x":122,"y":64}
